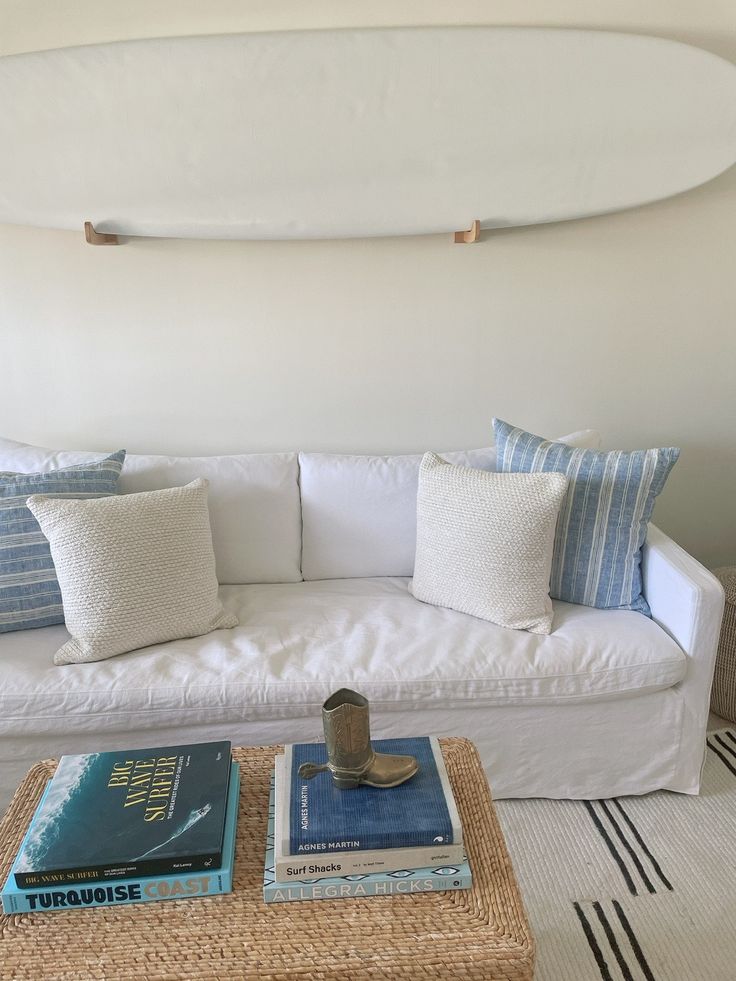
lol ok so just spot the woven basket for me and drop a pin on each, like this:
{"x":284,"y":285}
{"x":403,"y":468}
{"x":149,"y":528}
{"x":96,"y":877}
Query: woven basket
{"x":479,"y":934}
{"x":723,"y":695}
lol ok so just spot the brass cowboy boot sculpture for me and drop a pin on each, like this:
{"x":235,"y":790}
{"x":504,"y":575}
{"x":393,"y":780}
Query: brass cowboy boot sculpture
{"x":350,"y":757}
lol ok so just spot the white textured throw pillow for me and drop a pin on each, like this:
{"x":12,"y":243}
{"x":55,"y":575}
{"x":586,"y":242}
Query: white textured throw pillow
{"x":134,"y":570}
{"x":484,"y":542}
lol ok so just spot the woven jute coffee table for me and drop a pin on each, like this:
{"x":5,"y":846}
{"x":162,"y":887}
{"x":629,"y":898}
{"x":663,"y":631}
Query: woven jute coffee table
{"x":480,"y":933}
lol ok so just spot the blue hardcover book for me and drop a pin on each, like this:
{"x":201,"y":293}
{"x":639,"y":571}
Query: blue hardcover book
{"x":128,"y":814}
{"x":119,"y":892}
{"x":323,"y":818}
{"x":400,"y":882}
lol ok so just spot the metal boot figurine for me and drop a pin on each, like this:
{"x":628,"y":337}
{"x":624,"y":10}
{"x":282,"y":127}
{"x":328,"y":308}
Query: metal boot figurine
{"x":350,"y":757}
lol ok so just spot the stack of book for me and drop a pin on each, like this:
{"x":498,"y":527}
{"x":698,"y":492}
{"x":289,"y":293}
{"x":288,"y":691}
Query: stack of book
{"x":130,"y":827}
{"x":327,"y":843}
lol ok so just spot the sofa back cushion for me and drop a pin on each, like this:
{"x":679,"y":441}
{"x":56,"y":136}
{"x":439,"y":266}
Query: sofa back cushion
{"x":253,"y":501}
{"x":359,"y":513}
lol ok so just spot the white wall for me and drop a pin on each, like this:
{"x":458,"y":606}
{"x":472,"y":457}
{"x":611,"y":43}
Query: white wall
{"x":623,"y":322}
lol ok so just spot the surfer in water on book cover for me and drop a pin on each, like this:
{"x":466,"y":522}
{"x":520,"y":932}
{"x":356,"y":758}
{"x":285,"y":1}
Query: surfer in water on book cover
{"x":194,"y":816}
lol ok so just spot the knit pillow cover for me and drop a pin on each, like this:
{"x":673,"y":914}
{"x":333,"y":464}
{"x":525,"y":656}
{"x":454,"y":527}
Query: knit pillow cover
{"x":484,"y":542}
{"x":134,"y":570}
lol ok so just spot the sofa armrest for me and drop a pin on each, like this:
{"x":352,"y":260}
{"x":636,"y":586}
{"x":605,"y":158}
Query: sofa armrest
{"x":687,"y":601}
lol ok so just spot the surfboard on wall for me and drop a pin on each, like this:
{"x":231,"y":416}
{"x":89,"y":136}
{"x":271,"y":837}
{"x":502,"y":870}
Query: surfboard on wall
{"x":352,"y":133}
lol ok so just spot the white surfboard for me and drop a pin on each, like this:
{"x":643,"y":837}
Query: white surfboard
{"x":327,"y":134}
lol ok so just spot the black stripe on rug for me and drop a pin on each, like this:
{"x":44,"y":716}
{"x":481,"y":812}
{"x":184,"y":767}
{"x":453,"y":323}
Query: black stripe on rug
{"x":721,"y":757}
{"x":627,"y":845}
{"x":611,"y":847}
{"x":729,"y":749}
{"x":593,"y":943}
{"x":730,"y":735}
{"x":642,"y":844}
{"x":635,"y":945}
{"x":611,"y":937}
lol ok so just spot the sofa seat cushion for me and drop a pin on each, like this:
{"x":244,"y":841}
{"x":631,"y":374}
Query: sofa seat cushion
{"x":298,"y":642}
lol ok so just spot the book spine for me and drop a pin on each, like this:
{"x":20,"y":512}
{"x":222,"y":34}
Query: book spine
{"x":290,"y":867}
{"x":316,"y":847}
{"x":277,"y":892}
{"x":132,"y":870}
{"x":444,"y":777}
{"x":116,"y":893}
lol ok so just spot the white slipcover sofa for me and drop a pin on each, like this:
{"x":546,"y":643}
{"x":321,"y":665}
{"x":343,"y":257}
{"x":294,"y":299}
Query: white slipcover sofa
{"x":315,"y":554}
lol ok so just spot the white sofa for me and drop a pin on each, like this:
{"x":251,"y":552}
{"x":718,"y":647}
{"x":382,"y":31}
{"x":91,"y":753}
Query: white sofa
{"x":315,"y":553}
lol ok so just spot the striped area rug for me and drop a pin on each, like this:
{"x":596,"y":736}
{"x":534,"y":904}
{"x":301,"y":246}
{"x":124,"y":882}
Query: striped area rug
{"x":633,"y":888}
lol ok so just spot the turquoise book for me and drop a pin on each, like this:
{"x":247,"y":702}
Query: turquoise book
{"x":120,"y":892}
{"x":401,"y":882}
{"x":127,"y":814}
{"x":323,"y":818}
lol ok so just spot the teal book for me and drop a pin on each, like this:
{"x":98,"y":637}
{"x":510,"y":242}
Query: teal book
{"x":400,"y":882}
{"x":120,"y":892}
{"x":323,"y":818}
{"x":128,"y":814}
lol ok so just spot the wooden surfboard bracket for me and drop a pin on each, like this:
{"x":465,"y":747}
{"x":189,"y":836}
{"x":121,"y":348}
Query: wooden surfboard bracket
{"x":98,"y":238}
{"x":93,"y":237}
{"x":471,"y":235}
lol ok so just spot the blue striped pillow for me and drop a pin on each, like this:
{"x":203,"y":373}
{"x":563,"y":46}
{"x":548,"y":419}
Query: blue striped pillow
{"x":603,"y":520}
{"x":29,"y":591}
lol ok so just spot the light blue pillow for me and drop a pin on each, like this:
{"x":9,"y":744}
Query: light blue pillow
{"x":603,"y":520}
{"x":29,"y":591}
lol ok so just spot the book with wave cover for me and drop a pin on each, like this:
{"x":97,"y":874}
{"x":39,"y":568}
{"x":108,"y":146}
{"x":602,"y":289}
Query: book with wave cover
{"x":152,"y":888}
{"x":126,"y":814}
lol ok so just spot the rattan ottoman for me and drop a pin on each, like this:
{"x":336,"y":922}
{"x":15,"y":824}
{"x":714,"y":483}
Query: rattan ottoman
{"x":477,"y":934}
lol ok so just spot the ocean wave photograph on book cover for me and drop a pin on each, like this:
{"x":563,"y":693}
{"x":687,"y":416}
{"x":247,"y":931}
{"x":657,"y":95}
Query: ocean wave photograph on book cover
{"x":120,"y":892}
{"x":324,"y":818}
{"x":143,"y":811}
